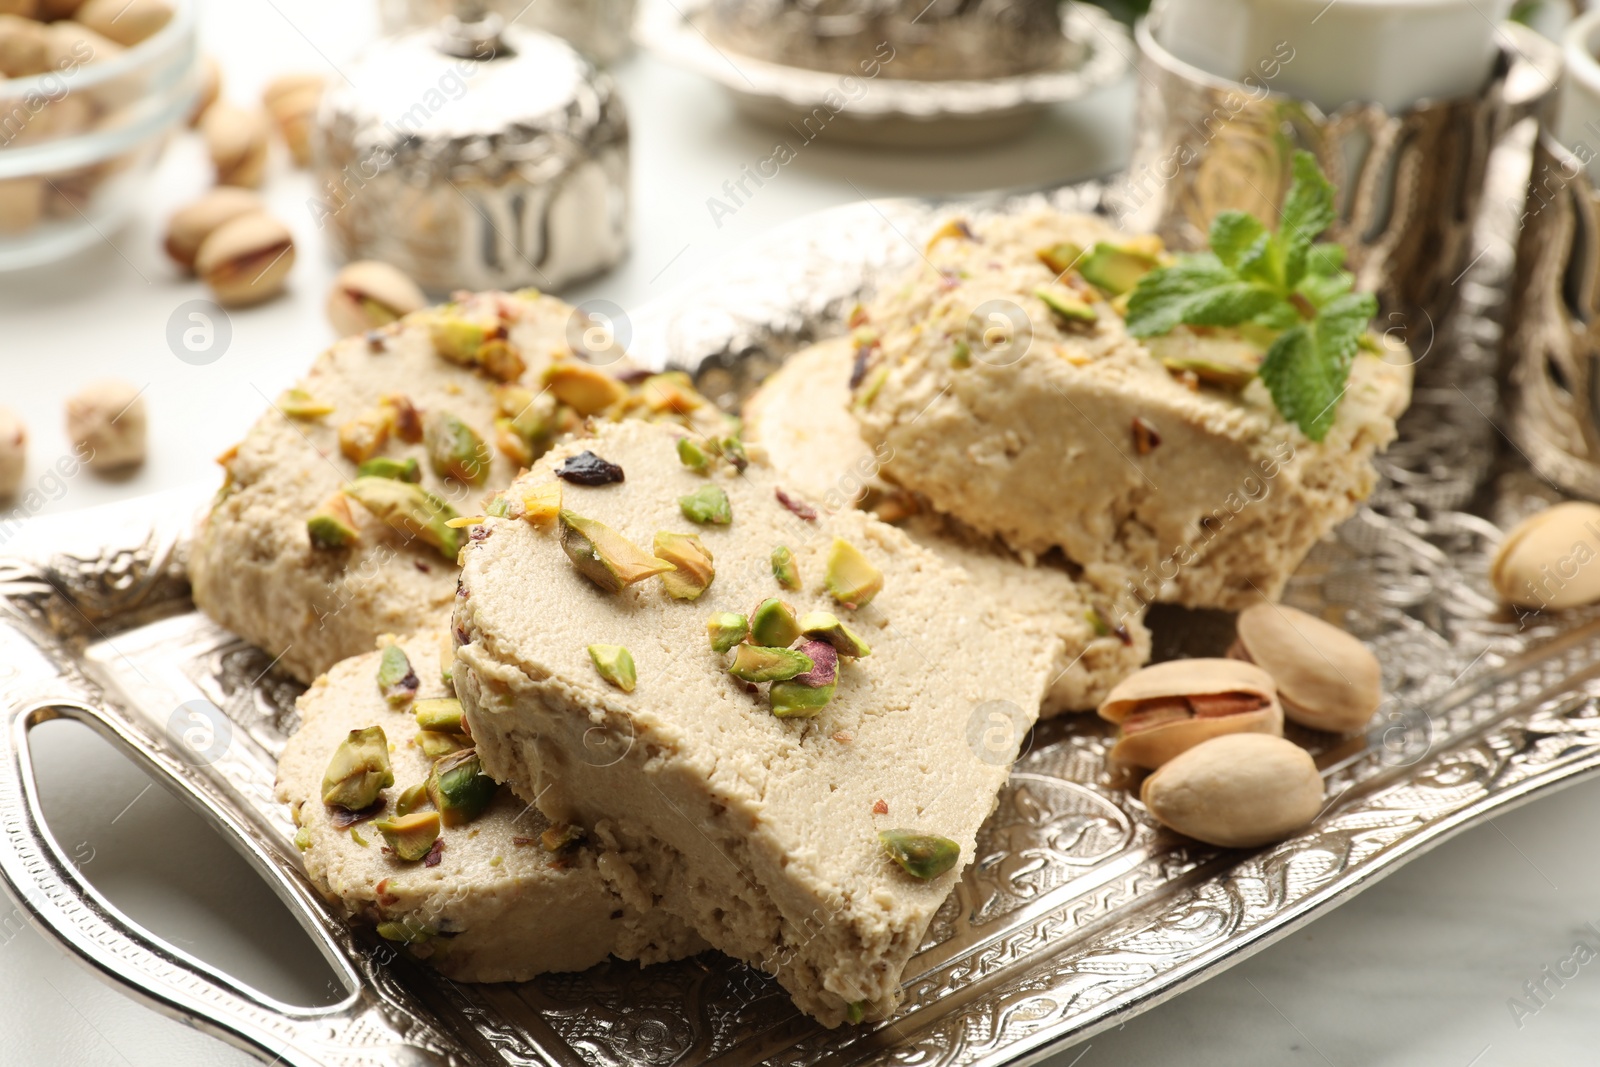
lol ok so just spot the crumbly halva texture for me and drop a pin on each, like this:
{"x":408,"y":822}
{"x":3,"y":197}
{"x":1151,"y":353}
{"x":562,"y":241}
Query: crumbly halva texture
{"x":760,"y":831}
{"x":500,"y":906}
{"x":1051,"y":432}
{"x":253,"y":566}
{"x":800,"y":420}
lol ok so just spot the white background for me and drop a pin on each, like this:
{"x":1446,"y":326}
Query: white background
{"x":1417,"y":971}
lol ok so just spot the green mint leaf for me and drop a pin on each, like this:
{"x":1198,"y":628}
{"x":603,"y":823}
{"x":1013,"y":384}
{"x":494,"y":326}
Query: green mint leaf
{"x":1325,"y":258}
{"x":1324,"y":289}
{"x":1157,"y":303}
{"x":1307,"y":211}
{"x":1281,"y":316}
{"x":1232,"y":235}
{"x":1339,"y":328}
{"x":1301,"y":384}
{"x":1229,"y":305}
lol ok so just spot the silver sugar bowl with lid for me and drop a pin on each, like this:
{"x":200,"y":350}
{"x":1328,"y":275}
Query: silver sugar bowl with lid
{"x":474,"y":155}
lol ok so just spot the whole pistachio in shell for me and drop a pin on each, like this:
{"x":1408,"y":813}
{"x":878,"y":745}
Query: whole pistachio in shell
{"x":247,"y":259}
{"x":1326,"y":679}
{"x":368,"y":294}
{"x":1236,"y":791}
{"x":291,"y":101}
{"x":1171,"y":707}
{"x":192,"y":224}
{"x":24,"y":46}
{"x":126,"y":22}
{"x":238,"y":141}
{"x":1551,"y":560}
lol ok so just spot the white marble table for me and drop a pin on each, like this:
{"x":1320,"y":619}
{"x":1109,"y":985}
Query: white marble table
{"x":1417,"y":971}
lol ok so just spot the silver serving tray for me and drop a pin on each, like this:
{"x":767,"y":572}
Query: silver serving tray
{"x":1078,"y":910}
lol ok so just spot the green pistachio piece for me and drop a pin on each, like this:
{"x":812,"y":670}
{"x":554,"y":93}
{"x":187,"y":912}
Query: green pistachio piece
{"x":726,"y":629}
{"x":856,"y":1011}
{"x":784,"y":568}
{"x":455,"y":450}
{"x":1115,"y":269}
{"x":961,"y":355}
{"x":707,"y":504}
{"x":396,"y":680}
{"x":328,"y":530}
{"x":441,"y":714}
{"x":692,"y":560}
{"x":773,"y":624}
{"x":412,"y":799}
{"x":560,"y":837}
{"x":1060,"y":257}
{"x":438,"y":743}
{"x":692,"y":455}
{"x":731,"y":449}
{"x":299,"y":404}
{"x":359,"y":770}
{"x":1065,"y":306}
{"x":407,"y":932}
{"x":410,"y":509}
{"x":604,"y":556}
{"x":586,"y":389}
{"x":457,"y":339}
{"x":459,"y":789}
{"x":410,"y":837}
{"x":870,"y":388}
{"x":406,"y":470}
{"x":355,"y":835}
{"x":921,"y":855}
{"x":302,"y":838}
{"x":615,"y":664}
{"x":791,"y":700}
{"x":824,"y":626}
{"x":851,"y":577}
{"x":756,"y":663}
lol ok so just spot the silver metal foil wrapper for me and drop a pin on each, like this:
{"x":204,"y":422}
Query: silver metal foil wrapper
{"x":1410,"y":182}
{"x":473,"y":156}
{"x":600,"y":29}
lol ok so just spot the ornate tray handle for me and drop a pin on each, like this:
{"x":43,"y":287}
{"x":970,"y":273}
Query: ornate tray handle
{"x":362,"y":1028}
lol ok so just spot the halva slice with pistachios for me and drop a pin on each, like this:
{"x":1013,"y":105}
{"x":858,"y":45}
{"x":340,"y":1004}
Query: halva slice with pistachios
{"x":442,"y":859}
{"x":332,"y":524}
{"x":745,"y":766}
{"x":801,"y":419}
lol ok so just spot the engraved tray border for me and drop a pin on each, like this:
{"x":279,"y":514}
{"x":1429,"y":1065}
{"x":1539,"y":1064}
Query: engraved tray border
{"x":1077,"y":913}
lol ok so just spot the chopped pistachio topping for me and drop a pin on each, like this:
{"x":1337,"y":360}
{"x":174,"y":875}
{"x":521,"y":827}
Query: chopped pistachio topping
{"x":673,"y":392}
{"x":456,"y":338}
{"x":411,"y":799}
{"x":410,"y":509}
{"x":851,"y":578}
{"x":541,"y":503}
{"x":586,"y":389}
{"x":692,"y":560}
{"x":604,"y":556}
{"x":461,"y":522}
{"x":355,"y":835}
{"x":791,"y":700}
{"x":691,"y":455}
{"x":332,"y":525}
{"x":302,"y":838}
{"x":411,"y":836}
{"x":442,"y":714}
{"x":459,"y":789}
{"x":438,"y":743}
{"x":755,"y":663}
{"x":359,"y":770}
{"x":871,"y":386}
{"x":707,"y":504}
{"x":405,"y":419}
{"x":961,"y":355}
{"x":920,"y":855}
{"x":1060,"y":257}
{"x":1065,"y":305}
{"x":615,"y":664}
{"x":560,"y":837}
{"x":396,"y":680}
{"x":825,"y":664}
{"x":825,"y":626}
{"x":773,"y":624}
{"x":407,"y":932}
{"x":726,"y":629}
{"x":1114,"y":268}
{"x":364,"y":436}
{"x":299,"y":404}
{"x":455,"y":450}
{"x":401,"y":470}
{"x":856,"y":1011}
{"x":784,"y":568}
{"x":500,"y":358}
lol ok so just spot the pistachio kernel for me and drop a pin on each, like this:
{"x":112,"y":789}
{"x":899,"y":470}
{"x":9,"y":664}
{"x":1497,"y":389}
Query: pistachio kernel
{"x":604,"y":556}
{"x":359,"y":770}
{"x":726,"y":629}
{"x":410,"y":509}
{"x":693,"y":562}
{"x":411,"y":836}
{"x":1065,"y":306}
{"x":541,"y":503}
{"x":732,"y":450}
{"x":405,"y":417}
{"x":501,"y":359}
{"x":455,"y":450}
{"x":615,"y":664}
{"x":401,"y":470}
{"x":302,"y":838}
{"x":407,"y":932}
{"x":784,"y":569}
{"x":411,"y":799}
{"x":756,"y":663}
{"x":364,"y":436}
{"x":512,"y":444}
{"x":458,"y":339}
{"x":584,"y":388}
{"x":792,"y":700}
{"x":299,"y":404}
{"x":855,"y":1011}
{"x":673,"y":392}
{"x":440,"y":714}
{"x":1060,"y":257}
{"x":560,"y":837}
{"x":691,"y":455}
{"x":436,"y":744}
{"x":871,"y":386}
{"x":825,"y":626}
{"x":773,"y":624}
{"x":459,"y":789}
{"x":707,"y":504}
{"x":396,"y":680}
{"x":961,"y":355}
{"x":1116,"y":268}
{"x":851,"y":578}
{"x":922,"y":856}
{"x":331,"y":525}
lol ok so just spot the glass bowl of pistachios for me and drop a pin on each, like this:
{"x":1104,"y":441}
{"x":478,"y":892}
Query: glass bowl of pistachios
{"x":89,"y":92}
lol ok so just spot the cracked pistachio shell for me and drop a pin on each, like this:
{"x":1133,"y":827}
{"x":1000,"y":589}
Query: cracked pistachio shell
{"x":410,"y":836}
{"x":604,"y":556}
{"x":368,"y":294}
{"x":410,"y":509}
{"x":1155,"y":745}
{"x":920,"y":855}
{"x":1551,"y":560}
{"x":1326,"y":679}
{"x":773,"y":624}
{"x":695,"y":569}
{"x":359,"y":770}
{"x":1237,"y":791}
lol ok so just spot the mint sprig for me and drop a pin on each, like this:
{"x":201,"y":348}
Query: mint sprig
{"x":1285,"y":282}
